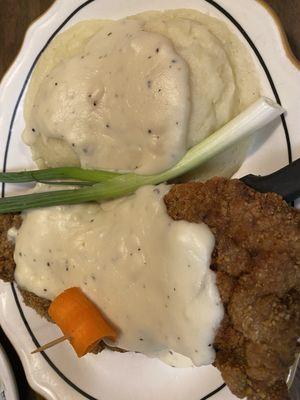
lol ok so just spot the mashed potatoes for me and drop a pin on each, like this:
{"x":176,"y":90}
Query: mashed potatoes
{"x":200,"y":77}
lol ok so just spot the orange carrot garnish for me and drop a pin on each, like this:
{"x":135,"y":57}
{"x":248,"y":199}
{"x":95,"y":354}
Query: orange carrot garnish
{"x":81,"y":320}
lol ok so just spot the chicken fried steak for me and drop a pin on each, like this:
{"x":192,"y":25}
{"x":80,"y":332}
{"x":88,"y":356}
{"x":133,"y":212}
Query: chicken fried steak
{"x":257,"y":264}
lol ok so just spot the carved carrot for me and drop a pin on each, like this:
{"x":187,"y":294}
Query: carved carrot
{"x":80,"y":320}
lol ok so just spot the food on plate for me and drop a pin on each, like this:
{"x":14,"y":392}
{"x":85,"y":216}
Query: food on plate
{"x":80,"y":320}
{"x":135,"y":94}
{"x":100,"y":185}
{"x":147,"y":273}
{"x":256,"y":262}
{"x":193,"y":273}
{"x":7,"y":246}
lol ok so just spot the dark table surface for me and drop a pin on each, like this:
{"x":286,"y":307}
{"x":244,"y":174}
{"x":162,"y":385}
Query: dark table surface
{"x":16,"y":15}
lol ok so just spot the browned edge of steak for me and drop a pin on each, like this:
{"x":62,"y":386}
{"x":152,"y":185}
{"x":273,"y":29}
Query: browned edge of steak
{"x":257,"y":263}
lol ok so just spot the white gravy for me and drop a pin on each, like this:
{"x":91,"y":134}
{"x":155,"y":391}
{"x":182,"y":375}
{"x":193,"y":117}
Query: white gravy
{"x":123,"y":103}
{"x":150,"y":275}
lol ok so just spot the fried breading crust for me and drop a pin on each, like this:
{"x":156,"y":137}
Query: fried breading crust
{"x":257,"y":262}
{"x":7,"y":264}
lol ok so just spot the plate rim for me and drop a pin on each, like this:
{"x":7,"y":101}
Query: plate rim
{"x":12,"y":388}
{"x":276,"y":19}
{"x":290,"y":56}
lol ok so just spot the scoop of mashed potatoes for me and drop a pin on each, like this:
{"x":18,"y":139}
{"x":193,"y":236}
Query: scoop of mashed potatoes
{"x":135,"y":94}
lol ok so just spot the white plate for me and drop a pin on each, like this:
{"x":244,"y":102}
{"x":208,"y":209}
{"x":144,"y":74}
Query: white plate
{"x":58,"y":374}
{"x":8,"y":387}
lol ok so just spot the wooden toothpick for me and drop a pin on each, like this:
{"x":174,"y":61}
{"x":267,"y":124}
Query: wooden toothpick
{"x":51,"y":344}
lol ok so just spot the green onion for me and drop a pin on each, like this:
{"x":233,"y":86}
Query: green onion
{"x":113,"y":185}
{"x":67,"y":183}
{"x":41,"y":175}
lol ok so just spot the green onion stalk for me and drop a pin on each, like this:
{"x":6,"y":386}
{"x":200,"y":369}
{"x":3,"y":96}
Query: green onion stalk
{"x":99,"y":185}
